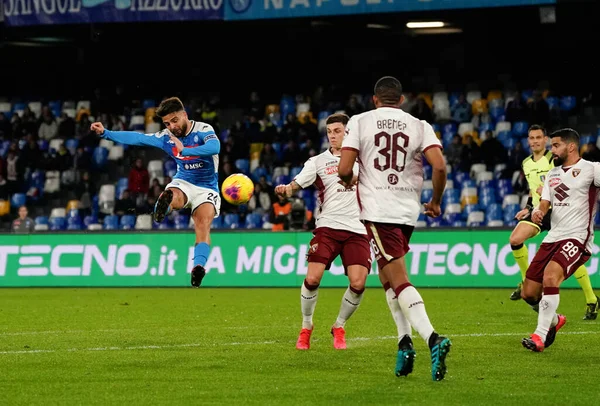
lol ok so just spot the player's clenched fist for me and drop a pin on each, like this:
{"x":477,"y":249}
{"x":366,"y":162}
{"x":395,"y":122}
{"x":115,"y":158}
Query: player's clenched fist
{"x":537,"y":216}
{"x":98,"y":128}
{"x":284,"y":190}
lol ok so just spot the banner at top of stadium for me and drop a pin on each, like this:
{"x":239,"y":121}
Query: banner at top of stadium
{"x":262,"y":9}
{"x":35,"y":12}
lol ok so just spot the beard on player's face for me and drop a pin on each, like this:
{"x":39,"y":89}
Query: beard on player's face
{"x":179,"y":131}
{"x":560,"y":159}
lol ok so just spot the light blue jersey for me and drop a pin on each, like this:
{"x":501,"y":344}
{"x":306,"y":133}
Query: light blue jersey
{"x":197,"y":164}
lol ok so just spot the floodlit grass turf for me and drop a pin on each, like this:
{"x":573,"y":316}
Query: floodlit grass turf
{"x":237,"y":346}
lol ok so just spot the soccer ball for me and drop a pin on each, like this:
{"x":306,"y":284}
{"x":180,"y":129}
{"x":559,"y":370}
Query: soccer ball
{"x":237,"y":189}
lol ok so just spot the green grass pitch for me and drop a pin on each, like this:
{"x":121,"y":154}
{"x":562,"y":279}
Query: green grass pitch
{"x":237,"y":346}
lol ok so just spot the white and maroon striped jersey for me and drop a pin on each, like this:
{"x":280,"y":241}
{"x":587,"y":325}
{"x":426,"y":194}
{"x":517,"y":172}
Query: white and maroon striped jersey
{"x":390,"y":145}
{"x":572,"y":192}
{"x":337,"y":207}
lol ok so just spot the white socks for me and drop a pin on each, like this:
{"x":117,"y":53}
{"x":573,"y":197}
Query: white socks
{"x":547,"y":316}
{"x":308,"y":302}
{"x":412,"y":306}
{"x":350,"y":302}
{"x":402,"y":323}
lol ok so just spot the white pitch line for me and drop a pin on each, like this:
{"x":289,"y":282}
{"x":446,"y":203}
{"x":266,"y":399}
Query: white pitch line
{"x":168,"y":346}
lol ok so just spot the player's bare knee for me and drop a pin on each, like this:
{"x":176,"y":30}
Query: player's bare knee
{"x":515,"y":240}
{"x":551,"y":280}
{"x":313,"y":280}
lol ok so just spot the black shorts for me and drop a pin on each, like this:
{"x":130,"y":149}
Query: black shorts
{"x":545,"y":222}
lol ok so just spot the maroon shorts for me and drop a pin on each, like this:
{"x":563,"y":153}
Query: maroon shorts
{"x":569,"y":254}
{"x":389,"y":241}
{"x":328,"y":243}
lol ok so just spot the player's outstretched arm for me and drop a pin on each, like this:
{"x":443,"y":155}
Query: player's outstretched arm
{"x":128,"y":137}
{"x":211,"y":146}
{"x":287,"y":190}
{"x":438,"y":178}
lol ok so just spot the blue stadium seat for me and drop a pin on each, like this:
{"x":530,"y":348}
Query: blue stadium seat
{"x":99,"y":157}
{"x":422,"y":217}
{"x":497,"y":113}
{"x":525,"y":144}
{"x":427,"y":171}
{"x":90,"y":220}
{"x":111,"y":222}
{"x":18,"y":199}
{"x":486,"y":184}
{"x":487,"y":197}
{"x":486,"y":126}
{"x":181,"y":221}
{"x":436,"y":127}
{"x":435,"y":222}
{"x":568,"y":103}
{"x":254,"y":220}
{"x":258,"y":172}
{"x":309,"y":201}
{"x":494,"y":212}
{"x":526,"y":94}
{"x":323,"y":115}
{"x":519,"y":128}
{"x":18,"y":106}
{"x":586,"y":139}
{"x":468,"y":209}
{"x":450,"y":196}
{"x":450,"y":128}
{"x":41,"y":220}
{"x":231,"y":220}
{"x":278,"y":148}
{"x":71,"y":144}
{"x":74,"y":223}
{"x":468,"y":183}
{"x":295,"y":171}
{"x":426,"y":195}
{"x":217,"y":222}
{"x":460,"y":177}
{"x":165,"y":225}
{"x":459,"y":224}
{"x":243,"y":165}
{"x":224,"y":135}
{"x":451,"y":218}
{"x":281,"y":180}
{"x":553,"y":102}
{"x":57,"y":223}
{"x":453,"y":98}
{"x":127,"y":222}
{"x":509,"y":143}
{"x":447,"y":139}
{"x":148,"y":104}
{"x":510,"y":211}
{"x":504,"y":188}
{"x":287,"y":106}
{"x":37,"y":179}
{"x":73,"y":213}
{"x":43,"y":144}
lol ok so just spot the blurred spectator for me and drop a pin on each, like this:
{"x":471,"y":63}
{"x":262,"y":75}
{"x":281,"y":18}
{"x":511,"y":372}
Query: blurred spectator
{"x":516,"y":157}
{"x":4,"y":195}
{"x":23,"y":224}
{"x":31,"y":154}
{"x":291,"y":154}
{"x":255,"y":106}
{"x":260,"y":201}
{"x":82,"y":160}
{"x":422,"y":111}
{"x":85,"y":190}
{"x":410,"y":101}
{"x":280,"y":214}
{"x":592,"y":153}
{"x":48,"y":128}
{"x":139,"y":179}
{"x":492,"y":151}
{"x":471,"y":154}
{"x":461,"y":110}
{"x":125,"y":205}
{"x":268,"y":158}
{"x":290,"y":128}
{"x":66,"y":126}
{"x":353,"y":106}
{"x":454,"y":151}
{"x":5,"y":127}
{"x":516,"y":109}
{"x":14,"y":172}
{"x":538,"y":109}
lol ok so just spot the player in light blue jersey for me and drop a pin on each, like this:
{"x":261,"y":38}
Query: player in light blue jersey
{"x":195,"y":147}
